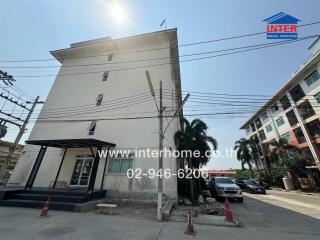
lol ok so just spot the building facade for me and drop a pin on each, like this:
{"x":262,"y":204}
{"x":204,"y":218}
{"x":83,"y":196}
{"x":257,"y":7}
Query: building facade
{"x":4,"y":152}
{"x":293,"y":113}
{"x":101,"y":100}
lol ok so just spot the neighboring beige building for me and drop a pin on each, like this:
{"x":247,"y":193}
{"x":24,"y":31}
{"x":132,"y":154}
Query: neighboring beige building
{"x":293,"y":112}
{"x":4,"y":151}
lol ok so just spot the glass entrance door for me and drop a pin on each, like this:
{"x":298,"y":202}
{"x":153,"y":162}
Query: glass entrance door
{"x":81,"y":172}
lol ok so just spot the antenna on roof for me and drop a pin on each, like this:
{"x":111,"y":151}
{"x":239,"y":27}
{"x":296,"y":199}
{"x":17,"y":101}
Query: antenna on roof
{"x":164,"y":23}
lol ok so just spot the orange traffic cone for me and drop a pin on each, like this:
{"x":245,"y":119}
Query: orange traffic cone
{"x":227,"y":211}
{"x":190,"y":230}
{"x":44,"y":212}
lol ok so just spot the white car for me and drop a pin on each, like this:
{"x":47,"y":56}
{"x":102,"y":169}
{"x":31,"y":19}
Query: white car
{"x":222,"y":187}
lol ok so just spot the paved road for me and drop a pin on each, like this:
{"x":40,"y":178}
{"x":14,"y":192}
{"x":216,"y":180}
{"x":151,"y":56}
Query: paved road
{"x":261,"y":220}
{"x":279,"y":214}
{"x":298,"y":202}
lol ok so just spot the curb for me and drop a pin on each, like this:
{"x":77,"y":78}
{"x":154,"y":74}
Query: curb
{"x":218,"y":221}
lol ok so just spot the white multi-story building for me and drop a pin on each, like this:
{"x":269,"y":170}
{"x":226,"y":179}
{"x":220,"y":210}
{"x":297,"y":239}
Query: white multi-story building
{"x":100,"y":99}
{"x":293,"y":112}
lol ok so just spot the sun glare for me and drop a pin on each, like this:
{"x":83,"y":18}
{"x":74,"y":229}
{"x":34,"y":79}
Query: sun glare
{"x":118,"y":12}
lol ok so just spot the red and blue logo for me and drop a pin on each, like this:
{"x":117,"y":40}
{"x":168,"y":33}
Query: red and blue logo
{"x":282,"y":26}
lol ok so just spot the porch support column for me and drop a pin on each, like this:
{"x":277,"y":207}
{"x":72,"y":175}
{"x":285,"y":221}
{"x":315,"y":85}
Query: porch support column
{"x":56,"y":179}
{"x":94,"y":170}
{"x":104,"y":168}
{"x":36,"y":167}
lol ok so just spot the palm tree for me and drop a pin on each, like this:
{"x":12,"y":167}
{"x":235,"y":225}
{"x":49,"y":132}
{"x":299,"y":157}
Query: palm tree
{"x":193,"y":137}
{"x":243,"y":153}
{"x":281,"y":148}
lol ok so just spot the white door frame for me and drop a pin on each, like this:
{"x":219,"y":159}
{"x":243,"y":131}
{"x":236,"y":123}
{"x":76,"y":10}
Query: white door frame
{"x":84,"y":159}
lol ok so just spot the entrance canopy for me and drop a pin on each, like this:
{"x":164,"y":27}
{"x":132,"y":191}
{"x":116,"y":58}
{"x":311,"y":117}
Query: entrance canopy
{"x":71,"y":143}
{"x":66,"y":144}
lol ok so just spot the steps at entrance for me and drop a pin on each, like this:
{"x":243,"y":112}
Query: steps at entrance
{"x":53,"y":198}
{"x":59,"y":199}
{"x":62,"y":206}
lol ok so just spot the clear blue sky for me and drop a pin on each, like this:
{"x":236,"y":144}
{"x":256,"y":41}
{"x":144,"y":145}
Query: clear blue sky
{"x":31,"y":28}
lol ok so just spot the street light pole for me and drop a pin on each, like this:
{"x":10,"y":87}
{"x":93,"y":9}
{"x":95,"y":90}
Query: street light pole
{"x":160,"y":179}
{"x":161,"y":137}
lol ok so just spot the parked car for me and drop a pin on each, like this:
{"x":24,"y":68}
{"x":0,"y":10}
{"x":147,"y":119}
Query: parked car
{"x":241,"y":184}
{"x":221,"y":187}
{"x":251,"y":186}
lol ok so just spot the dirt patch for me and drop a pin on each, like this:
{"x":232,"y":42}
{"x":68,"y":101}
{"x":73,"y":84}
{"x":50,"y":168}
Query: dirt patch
{"x":211,"y":208}
{"x":138,"y":212}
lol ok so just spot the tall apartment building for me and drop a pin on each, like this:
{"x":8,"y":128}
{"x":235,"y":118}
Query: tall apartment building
{"x":293,"y":113}
{"x":103,"y":79}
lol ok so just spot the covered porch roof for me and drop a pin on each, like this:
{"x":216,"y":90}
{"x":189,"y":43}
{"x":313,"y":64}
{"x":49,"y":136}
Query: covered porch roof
{"x":71,"y":143}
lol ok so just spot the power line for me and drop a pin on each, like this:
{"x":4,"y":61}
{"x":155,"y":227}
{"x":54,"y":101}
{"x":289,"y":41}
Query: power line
{"x":159,"y":58}
{"x":161,"y":48}
{"x":27,"y":95}
{"x":162,"y":64}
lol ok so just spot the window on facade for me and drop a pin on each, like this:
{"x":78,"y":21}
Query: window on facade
{"x":285,"y":103}
{"x":99,"y":100}
{"x":262,"y":135}
{"x":269,"y":128}
{"x":306,"y":109}
{"x":92,"y":127}
{"x":110,"y":57}
{"x":264,"y":116}
{"x":317,"y":97}
{"x":280,"y":121}
{"x":299,"y":135}
{"x":286,"y":136}
{"x":297,"y":93}
{"x":312,"y":78}
{"x":120,"y":164}
{"x":274,"y":108}
{"x":247,"y":130}
{"x":253,"y":128}
{"x":314,"y":128}
{"x":258,"y":123}
{"x":105,"y":76}
{"x":292,"y":118}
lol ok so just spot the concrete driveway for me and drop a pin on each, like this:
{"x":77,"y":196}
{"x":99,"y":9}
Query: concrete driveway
{"x":260,"y":220}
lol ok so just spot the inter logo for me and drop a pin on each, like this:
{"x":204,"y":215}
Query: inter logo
{"x":282,"y":26}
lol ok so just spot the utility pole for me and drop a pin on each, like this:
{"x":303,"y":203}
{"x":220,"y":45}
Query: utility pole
{"x":6,"y":78}
{"x":161,"y":138}
{"x":160,"y":178}
{"x":18,"y":138}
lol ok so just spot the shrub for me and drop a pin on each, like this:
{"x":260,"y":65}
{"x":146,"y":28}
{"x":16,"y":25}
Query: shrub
{"x":245,"y":174}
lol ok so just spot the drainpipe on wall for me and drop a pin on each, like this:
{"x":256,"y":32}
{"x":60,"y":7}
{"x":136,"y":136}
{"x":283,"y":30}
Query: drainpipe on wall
{"x":315,"y":152}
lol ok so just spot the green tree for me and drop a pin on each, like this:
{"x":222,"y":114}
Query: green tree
{"x":242,"y":146}
{"x":282,"y":149}
{"x":193,"y":137}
